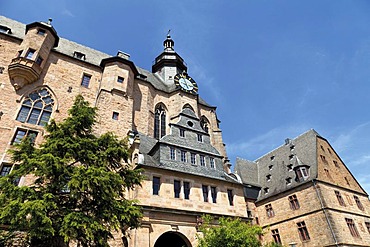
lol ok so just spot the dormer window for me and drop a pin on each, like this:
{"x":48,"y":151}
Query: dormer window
{"x":41,"y":32}
{"x":79,"y":55}
{"x":182,"y":133}
{"x":200,"y":138}
{"x":302,"y":173}
{"x":4,"y":29}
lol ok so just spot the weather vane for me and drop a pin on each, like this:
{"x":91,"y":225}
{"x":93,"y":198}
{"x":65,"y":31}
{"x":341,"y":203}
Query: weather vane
{"x":168,"y":33}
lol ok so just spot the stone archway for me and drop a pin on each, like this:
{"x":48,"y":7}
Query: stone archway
{"x":172,"y":239}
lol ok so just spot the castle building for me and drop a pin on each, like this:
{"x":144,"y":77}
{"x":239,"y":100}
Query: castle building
{"x":301,"y":192}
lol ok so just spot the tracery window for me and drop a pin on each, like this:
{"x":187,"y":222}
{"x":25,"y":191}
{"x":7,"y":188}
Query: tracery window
{"x":36,"y":108}
{"x":204,"y":123}
{"x":159,"y":122}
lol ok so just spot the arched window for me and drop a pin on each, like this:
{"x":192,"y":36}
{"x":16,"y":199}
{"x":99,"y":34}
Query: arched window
{"x":159,"y":122}
{"x":36,"y":108}
{"x":204,"y":123}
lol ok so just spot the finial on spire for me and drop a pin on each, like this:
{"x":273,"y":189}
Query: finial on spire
{"x":168,"y":43}
{"x":49,"y":21}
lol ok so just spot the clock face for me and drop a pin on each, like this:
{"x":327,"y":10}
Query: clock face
{"x":186,"y":83}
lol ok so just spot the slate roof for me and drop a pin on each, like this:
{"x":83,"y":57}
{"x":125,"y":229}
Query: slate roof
{"x":92,"y":56}
{"x":300,"y":151}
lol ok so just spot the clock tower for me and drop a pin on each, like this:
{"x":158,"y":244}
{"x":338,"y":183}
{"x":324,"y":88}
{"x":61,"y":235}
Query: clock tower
{"x":168,"y":63}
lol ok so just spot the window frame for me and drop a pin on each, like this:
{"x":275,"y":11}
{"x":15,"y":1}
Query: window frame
{"x":205,"y":192}
{"x":269,"y":211}
{"x":177,"y":188}
{"x":352,"y":228}
{"x":187,"y":188}
{"x":193,"y":159}
{"x":115,"y":115}
{"x":303,"y":231}
{"x":293,"y":202}
{"x":230,"y":197}
{"x":276,"y":236}
{"x":30,"y":53}
{"x":27,"y":133}
{"x":156,"y":185}
{"x":159,"y":121}
{"x":172,"y":153}
{"x":120,"y":79}
{"x":202,"y":160}
{"x":183,"y":156}
{"x":86,"y":79}
{"x":214,"y":194}
{"x":7,"y":170}
{"x":200,"y":137}
{"x":358,"y":203}
{"x":182,"y":133}
{"x":339,"y":198}
{"x":212,"y":162}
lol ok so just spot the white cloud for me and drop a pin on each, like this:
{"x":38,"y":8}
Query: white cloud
{"x":67,"y":13}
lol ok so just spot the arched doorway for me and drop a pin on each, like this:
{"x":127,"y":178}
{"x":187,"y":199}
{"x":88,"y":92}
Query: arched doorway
{"x":172,"y":239}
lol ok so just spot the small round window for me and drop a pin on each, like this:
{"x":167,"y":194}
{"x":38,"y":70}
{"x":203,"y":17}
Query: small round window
{"x":190,"y":123}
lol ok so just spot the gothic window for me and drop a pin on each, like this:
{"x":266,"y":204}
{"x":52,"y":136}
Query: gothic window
{"x":352,"y":228}
{"x":214,"y":194}
{"x":204,"y":123}
{"x":358,"y":202}
{"x":293,"y":201}
{"x":156,"y":185}
{"x":159,"y":122}
{"x":186,"y":190}
{"x":230,"y":196}
{"x":177,"y":188}
{"x":340,"y":198}
{"x":269,"y":211}
{"x":36,"y":108}
{"x":276,"y":236}
{"x":205,"y":193}
{"x":303,"y":232}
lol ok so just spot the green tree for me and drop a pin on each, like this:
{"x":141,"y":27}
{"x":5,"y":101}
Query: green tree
{"x":229,"y":233}
{"x":78,"y":193}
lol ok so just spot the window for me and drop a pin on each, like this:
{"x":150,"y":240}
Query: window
{"x":5,"y":170}
{"x":19,"y":53}
{"x":41,"y":32}
{"x":367,"y":224}
{"x":159,"y":122}
{"x":30,"y":53}
{"x":204,"y":124}
{"x":79,"y":55}
{"x":202,"y":160}
{"x":323,"y":159}
{"x":39,"y":60}
{"x":186,"y":190}
{"x":292,"y":148}
{"x":293,"y":201}
{"x":200,"y":138}
{"x":205,"y":193}
{"x":288,"y":181}
{"x":327,"y":174}
{"x":212,"y":162}
{"x":336,"y":163}
{"x":291,"y":156}
{"x":192,"y":158}
{"x":322,"y":148}
{"x":340,"y":198}
{"x":358,"y":202}
{"x":156,"y":185}
{"x":266,"y":190}
{"x":269,"y":211}
{"x":85,"y":80}
{"x":345,"y":178}
{"x":182,"y":133}
{"x":272,"y":158}
{"x":172,"y":153}
{"x":36,"y":108}
{"x":115,"y":115}
{"x":20,"y":134}
{"x":329,"y":151}
{"x":276,"y":236}
{"x":4,"y":29}
{"x":230,"y":196}
{"x":177,"y":188}
{"x":303,"y":232}
{"x":352,"y":228}
{"x":290,"y":167}
{"x":214,"y":194}
{"x":183,"y":156}
{"x":268,"y":178}
{"x":301,"y":173}
{"x":270,"y":167}
{"x":120,"y":79}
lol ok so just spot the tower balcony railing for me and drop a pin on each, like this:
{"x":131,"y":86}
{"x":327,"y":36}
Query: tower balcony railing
{"x":23,"y":71}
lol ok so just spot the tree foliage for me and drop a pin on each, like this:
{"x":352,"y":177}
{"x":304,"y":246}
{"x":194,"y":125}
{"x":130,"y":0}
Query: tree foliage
{"x":230,"y":233}
{"x":79,"y":185}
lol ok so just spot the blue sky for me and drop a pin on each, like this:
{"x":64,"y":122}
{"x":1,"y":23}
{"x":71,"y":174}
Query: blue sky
{"x":275,"y":69}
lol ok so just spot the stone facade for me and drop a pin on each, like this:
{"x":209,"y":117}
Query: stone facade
{"x":294,"y":191}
